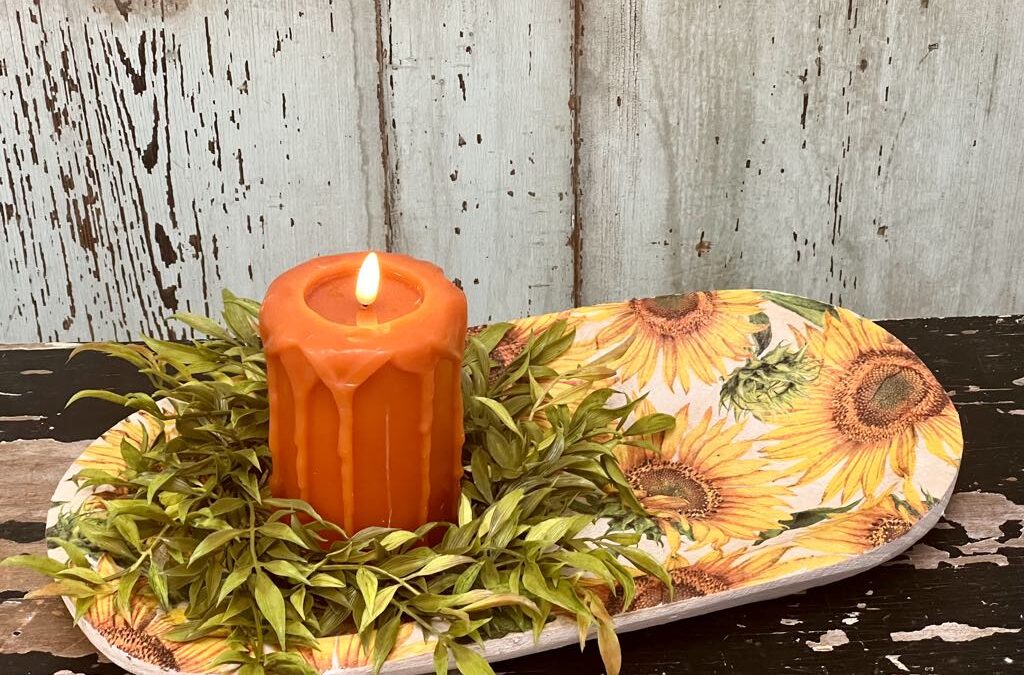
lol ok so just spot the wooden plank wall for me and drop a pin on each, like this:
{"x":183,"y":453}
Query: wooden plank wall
{"x":543,"y":152}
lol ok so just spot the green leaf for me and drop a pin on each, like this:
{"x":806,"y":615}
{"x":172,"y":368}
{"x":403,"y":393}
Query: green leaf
{"x":812,"y":310}
{"x":68,"y":587}
{"x":499,"y":411}
{"x":381,"y":600}
{"x":76,"y":554}
{"x":607,"y":640}
{"x":202,"y":324}
{"x":325,"y":581}
{"x":39,"y":563}
{"x":441,"y":658}
{"x":397,"y":539}
{"x":283,"y":568}
{"x":101,"y":394}
{"x":235,"y":579}
{"x":125,"y":588}
{"x":367,"y":584}
{"x":554,"y":529}
{"x":158,"y":584}
{"x":157,"y":482}
{"x":279,"y":530}
{"x":271,"y":604}
{"x":651,"y":424}
{"x":469,"y":662}
{"x":442,"y":563}
{"x":763,"y":337}
{"x":212,"y":542}
{"x":384,"y":641}
{"x":806,"y":518}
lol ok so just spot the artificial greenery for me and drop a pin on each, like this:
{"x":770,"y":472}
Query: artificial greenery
{"x":191,"y":519}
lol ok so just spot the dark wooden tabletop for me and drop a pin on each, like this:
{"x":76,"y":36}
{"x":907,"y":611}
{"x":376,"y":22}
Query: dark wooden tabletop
{"x":952,"y":604}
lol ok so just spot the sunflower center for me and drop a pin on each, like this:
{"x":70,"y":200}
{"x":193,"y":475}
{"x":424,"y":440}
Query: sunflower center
{"x":671,"y":315}
{"x":690,"y":582}
{"x":649,"y":593}
{"x":140,"y":645}
{"x":882,"y":393}
{"x":886,"y":529}
{"x":675,"y":486}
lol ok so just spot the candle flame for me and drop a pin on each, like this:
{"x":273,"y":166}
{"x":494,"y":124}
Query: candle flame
{"x":368,"y":281}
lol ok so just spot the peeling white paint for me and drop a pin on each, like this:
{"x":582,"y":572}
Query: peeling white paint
{"x":21,"y":418}
{"x":1019,"y":382}
{"x":829,"y":640}
{"x":790,"y":622}
{"x":991,"y":545}
{"x":961,"y":404}
{"x":949,"y":631}
{"x":982,"y":513}
{"x":894,"y":659}
{"x":1016,"y":411}
{"x":925,"y":557}
{"x":7,"y":393}
{"x":39,"y":371}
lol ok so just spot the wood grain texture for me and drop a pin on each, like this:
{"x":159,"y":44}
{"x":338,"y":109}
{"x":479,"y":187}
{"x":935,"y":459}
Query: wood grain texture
{"x":545,"y":153}
{"x":854,"y":151}
{"x":963,"y":582}
{"x":155,"y":152}
{"x":477,"y":102}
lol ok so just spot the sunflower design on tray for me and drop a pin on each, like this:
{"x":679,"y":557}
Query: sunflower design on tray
{"x":699,"y":482}
{"x":693,"y":336}
{"x":879,"y":521}
{"x":872,"y":407}
{"x":142,"y":631}
{"x":804,"y":436}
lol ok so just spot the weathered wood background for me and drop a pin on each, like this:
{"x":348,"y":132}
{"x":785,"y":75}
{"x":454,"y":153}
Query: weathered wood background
{"x":545,"y":152}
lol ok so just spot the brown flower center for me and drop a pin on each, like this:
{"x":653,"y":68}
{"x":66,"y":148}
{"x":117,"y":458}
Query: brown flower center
{"x":886,"y":529}
{"x":882,"y":393}
{"x":674,"y":315}
{"x":140,"y":645}
{"x":649,"y":593}
{"x":691,"y":582}
{"x":676,"y":487}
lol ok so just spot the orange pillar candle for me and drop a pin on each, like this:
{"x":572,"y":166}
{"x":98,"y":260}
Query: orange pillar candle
{"x":365,"y":399}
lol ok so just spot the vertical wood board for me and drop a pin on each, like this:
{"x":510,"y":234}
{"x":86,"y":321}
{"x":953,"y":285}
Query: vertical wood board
{"x":155,"y":153}
{"x":477,"y":106}
{"x":860,"y":152}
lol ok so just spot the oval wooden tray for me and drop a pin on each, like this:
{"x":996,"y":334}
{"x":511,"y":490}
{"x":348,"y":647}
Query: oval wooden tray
{"x":810,"y":445}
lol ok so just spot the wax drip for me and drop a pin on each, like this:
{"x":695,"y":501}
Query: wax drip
{"x":426,"y":423}
{"x":387,"y":462}
{"x":344,"y":401}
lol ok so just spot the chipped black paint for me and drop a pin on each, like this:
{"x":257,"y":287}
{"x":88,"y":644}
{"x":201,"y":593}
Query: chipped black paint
{"x":976,"y":359}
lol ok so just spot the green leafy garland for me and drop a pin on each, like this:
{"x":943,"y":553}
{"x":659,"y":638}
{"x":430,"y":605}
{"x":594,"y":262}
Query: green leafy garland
{"x":193,"y":519}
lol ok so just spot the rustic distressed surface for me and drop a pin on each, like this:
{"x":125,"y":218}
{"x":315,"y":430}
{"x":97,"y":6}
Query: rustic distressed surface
{"x":851,"y":150}
{"x":477,"y":103}
{"x":951,"y":604}
{"x":545,"y":153}
{"x":155,"y":152}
